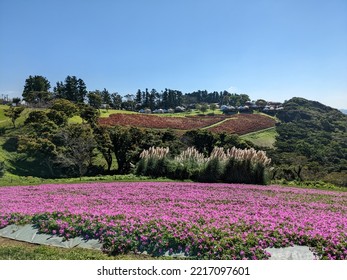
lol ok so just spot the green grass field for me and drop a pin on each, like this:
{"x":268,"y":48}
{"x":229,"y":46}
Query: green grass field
{"x":264,"y":138}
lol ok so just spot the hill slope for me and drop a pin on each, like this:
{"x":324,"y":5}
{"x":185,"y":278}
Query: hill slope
{"x":313,"y":136}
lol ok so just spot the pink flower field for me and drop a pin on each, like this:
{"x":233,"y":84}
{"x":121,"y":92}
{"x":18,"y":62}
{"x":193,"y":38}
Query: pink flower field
{"x":204,"y":221}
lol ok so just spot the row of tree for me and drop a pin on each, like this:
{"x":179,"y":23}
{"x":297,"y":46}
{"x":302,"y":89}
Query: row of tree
{"x":37,"y":92}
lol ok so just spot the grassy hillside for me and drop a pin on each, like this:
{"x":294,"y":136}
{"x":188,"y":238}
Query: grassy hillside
{"x":264,"y":138}
{"x":6,"y":122}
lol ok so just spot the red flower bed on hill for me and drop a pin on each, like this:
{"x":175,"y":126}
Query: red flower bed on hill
{"x":152,"y":121}
{"x":239,"y":124}
{"x":244,"y":123}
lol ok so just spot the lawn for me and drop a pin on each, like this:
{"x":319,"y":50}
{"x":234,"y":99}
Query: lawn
{"x":263,"y":138}
{"x":203,"y":221}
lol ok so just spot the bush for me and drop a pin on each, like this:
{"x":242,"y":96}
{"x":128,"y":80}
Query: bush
{"x":153,"y":162}
{"x":212,"y":171}
{"x":141,"y":167}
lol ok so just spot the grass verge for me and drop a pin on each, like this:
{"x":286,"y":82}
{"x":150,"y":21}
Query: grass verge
{"x":14,"y":180}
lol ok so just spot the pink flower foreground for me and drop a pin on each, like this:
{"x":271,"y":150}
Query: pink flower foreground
{"x":213,"y":221}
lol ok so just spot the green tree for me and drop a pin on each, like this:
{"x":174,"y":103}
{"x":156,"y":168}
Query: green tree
{"x":40,"y":125}
{"x":36,"y":89}
{"x":152,"y":97}
{"x":72,"y":89}
{"x":95,"y":99}
{"x":13,"y":113}
{"x":125,"y":145}
{"x":65,"y":106}
{"x":204,"y":107}
{"x":16,"y":100}
{"x":116,"y":101}
{"x":261,"y":103}
{"x":36,"y":117}
{"x":104,"y":144}
{"x":213,"y":107}
{"x":203,"y":140}
{"x":138,"y":98}
{"x":58,"y":117}
{"x":106,"y":97}
{"x":42,"y":149}
{"x":89,"y":114}
{"x":77,"y":149}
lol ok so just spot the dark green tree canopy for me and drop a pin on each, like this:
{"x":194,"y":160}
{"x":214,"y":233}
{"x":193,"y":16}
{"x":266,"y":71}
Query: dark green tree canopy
{"x":95,"y":99}
{"x":36,"y":89}
{"x":72,"y":89}
{"x":89,"y":114}
{"x":65,"y":106}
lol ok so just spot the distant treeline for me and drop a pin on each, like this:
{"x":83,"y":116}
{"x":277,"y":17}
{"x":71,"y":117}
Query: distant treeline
{"x":37,"y":92}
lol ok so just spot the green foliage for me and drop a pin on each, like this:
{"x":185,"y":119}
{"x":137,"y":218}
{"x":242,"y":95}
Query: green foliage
{"x":237,"y":171}
{"x":116,"y":101}
{"x":129,"y":142}
{"x":58,"y":117}
{"x":228,"y":141}
{"x":311,"y":141}
{"x":212,"y":171}
{"x":76,"y":149}
{"x":104,"y":144}
{"x":204,"y":107}
{"x":36,"y":89}
{"x":337,"y":178}
{"x":65,"y":106}
{"x":95,"y":99}
{"x":89,"y":114}
{"x":213,"y":107}
{"x":36,"y":117}
{"x":203,"y":140}
{"x":59,"y":148}
{"x":72,"y":89}
{"x":2,"y":168}
{"x":13,"y":113}
{"x":125,"y":145}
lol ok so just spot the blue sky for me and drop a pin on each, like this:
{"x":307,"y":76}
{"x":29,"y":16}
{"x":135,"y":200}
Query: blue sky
{"x":271,"y":49}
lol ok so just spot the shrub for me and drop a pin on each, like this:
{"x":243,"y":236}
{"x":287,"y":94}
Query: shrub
{"x":153,"y":162}
{"x":212,"y":171}
{"x":189,"y":164}
{"x":245,"y":166}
